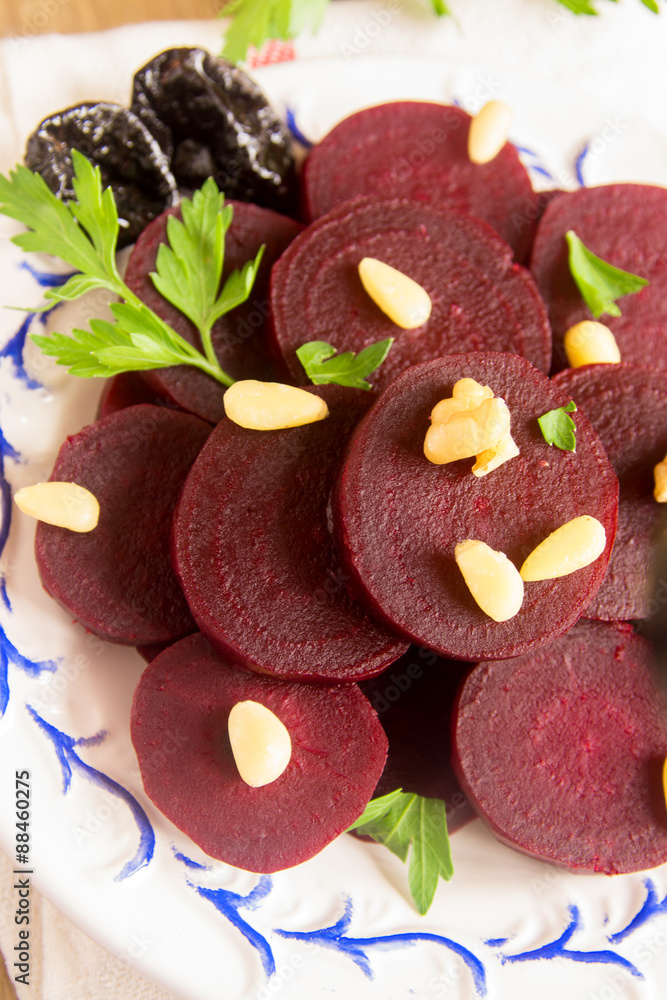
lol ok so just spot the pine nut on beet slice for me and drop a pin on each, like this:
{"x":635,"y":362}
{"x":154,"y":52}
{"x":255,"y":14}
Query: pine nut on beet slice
{"x":481,"y":299}
{"x":561,"y":750}
{"x":117,"y":580}
{"x":627,"y":406}
{"x":184,"y":699}
{"x":255,"y":556}
{"x":398,"y":517}
{"x":624,"y":225}
{"x":239,"y":337}
{"x":419,"y":150}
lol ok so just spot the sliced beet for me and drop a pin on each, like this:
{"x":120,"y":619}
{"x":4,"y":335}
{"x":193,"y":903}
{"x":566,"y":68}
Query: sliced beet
{"x":239,"y":337}
{"x":124,"y":390}
{"x":419,"y":150}
{"x":117,"y":579}
{"x":481,"y":299}
{"x":398,"y":518}
{"x":627,"y":406}
{"x":151,"y":650}
{"x":624,"y":225}
{"x":255,"y":556}
{"x":561,"y":751}
{"x":414,"y":699}
{"x":338,"y":751}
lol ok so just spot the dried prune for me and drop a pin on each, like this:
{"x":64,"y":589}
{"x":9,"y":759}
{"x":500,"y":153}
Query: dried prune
{"x":130,"y":158}
{"x":221,"y":125}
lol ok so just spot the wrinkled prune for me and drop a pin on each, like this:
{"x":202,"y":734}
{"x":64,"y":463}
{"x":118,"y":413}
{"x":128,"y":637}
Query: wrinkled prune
{"x":130,"y":157}
{"x":222,"y":126}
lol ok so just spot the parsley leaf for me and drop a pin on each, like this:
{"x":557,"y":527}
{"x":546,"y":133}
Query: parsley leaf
{"x":317,"y":357}
{"x":579,"y":6}
{"x":84,"y":233}
{"x":599,"y":283}
{"x":559,"y":428}
{"x":256,"y":21}
{"x":410,"y":823}
{"x":586,"y":7}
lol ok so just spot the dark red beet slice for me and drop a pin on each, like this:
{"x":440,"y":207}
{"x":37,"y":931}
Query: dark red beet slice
{"x":151,"y":650}
{"x":411,"y":149}
{"x":627,"y":406}
{"x":481,"y":299}
{"x":414,"y":699}
{"x":256,"y":558}
{"x":239,"y":337}
{"x":623,"y":224}
{"x":117,"y":580}
{"x":398,"y":518}
{"x":127,"y":389}
{"x":561,"y":751}
{"x":338,"y":751}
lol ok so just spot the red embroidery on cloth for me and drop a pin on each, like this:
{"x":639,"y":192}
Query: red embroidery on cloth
{"x":273,"y":51}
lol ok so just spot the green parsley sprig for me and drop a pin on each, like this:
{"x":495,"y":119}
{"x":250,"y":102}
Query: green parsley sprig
{"x":600,"y":283}
{"x":407,"y":823}
{"x":559,"y":428}
{"x":84,"y":234}
{"x":317,"y":358}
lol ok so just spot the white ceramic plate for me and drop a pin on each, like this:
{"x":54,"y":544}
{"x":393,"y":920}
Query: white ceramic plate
{"x":341,"y":925}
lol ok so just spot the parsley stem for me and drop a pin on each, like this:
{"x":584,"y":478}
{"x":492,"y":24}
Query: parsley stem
{"x":207,"y":344}
{"x":207,"y":362}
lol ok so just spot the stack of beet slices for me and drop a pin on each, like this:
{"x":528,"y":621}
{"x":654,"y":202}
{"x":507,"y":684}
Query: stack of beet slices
{"x":414,"y":699}
{"x":296,"y":567}
{"x":418,"y":150}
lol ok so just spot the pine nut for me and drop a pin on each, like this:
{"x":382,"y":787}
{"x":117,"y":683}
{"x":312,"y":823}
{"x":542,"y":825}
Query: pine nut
{"x":491,"y":578}
{"x":488,"y":131}
{"x":260,"y":743}
{"x":493,"y":458}
{"x":468,"y":432}
{"x":660,"y":476}
{"x":567,"y":549}
{"x":466,"y":395}
{"x":591,"y":343}
{"x":66,"y":505}
{"x":270,"y":406}
{"x":404,"y":301}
